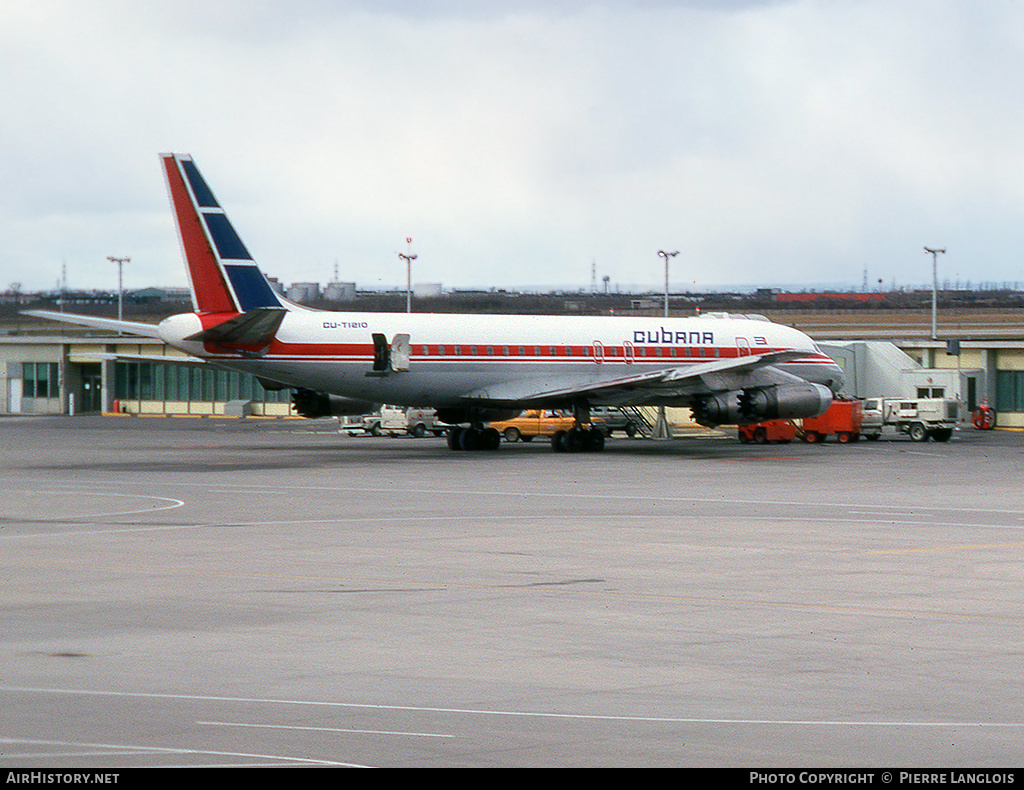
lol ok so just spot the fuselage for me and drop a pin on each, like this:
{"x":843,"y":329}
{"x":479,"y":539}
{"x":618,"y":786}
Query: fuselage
{"x":452,"y":358}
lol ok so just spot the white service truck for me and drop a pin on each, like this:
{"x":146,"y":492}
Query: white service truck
{"x":920,"y":418}
{"x":395,"y":420}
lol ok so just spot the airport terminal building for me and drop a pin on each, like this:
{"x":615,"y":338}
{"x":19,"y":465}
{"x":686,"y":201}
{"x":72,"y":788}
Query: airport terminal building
{"x":66,"y":374}
{"x":69,"y":371}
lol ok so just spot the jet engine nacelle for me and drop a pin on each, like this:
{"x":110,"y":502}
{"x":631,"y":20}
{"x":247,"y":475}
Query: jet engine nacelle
{"x":311,"y":404}
{"x":723,"y":409}
{"x":787,"y":402}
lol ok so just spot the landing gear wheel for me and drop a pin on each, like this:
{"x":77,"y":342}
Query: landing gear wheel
{"x":469,"y":439}
{"x":473,"y":439}
{"x":578,"y":440}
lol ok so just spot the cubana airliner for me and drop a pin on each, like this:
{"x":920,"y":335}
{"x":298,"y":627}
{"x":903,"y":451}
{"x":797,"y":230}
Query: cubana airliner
{"x":472,"y":368}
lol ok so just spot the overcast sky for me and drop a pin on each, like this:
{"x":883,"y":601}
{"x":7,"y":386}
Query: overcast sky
{"x":793,"y":143}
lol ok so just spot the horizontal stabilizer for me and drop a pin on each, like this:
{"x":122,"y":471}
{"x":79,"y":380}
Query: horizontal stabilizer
{"x":161,"y":358}
{"x":256,"y":327}
{"x":127,"y":327}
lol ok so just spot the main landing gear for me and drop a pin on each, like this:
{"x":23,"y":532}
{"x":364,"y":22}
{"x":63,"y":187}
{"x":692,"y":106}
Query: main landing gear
{"x":578,"y":440}
{"x":583,"y":437}
{"x":473,"y":438}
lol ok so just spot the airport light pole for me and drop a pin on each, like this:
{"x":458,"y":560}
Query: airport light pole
{"x":120,"y":286}
{"x":408,"y":258}
{"x":661,"y":430}
{"x":934,"y":252}
{"x":666,"y":256}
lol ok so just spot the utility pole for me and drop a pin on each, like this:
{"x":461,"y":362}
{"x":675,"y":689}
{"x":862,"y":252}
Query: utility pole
{"x":666,"y":256}
{"x":661,"y":429}
{"x":120,"y":286}
{"x":934,"y":252}
{"x":408,"y":258}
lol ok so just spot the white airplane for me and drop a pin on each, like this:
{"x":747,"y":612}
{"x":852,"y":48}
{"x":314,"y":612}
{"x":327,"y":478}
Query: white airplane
{"x":472,"y":368}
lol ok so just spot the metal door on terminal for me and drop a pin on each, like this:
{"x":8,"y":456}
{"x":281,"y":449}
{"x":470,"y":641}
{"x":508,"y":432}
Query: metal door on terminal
{"x":92,"y":388}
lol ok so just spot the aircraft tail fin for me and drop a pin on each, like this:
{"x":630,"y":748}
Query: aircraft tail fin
{"x":222,"y":274}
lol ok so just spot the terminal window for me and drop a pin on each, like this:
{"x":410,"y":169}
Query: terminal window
{"x":171,"y":382}
{"x":40,"y":380}
{"x":1010,"y":390}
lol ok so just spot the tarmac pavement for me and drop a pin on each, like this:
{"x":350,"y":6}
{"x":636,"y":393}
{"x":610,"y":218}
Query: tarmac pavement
{"x":203,"y":592}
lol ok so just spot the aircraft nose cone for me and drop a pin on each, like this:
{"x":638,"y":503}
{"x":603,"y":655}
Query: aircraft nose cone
{"x":836,"y":379}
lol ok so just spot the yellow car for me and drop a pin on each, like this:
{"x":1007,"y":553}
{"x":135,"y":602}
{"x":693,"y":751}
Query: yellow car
{"x":535,"y":422}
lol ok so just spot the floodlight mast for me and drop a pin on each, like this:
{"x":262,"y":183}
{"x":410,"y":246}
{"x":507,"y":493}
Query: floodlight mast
{"x":666,"y":256}
{"x":934,"y":252}
{"x":408,"y":258}
{"x":120,"y":286}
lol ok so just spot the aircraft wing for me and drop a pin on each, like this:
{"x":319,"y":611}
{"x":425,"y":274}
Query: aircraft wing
{"x":129,"y":327}
{"x":669,"y":383}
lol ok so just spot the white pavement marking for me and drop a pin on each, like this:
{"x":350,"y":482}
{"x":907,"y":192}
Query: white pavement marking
{"x":515,"y":713}
{"x":166,"y":750}
{"x":322,"y":729}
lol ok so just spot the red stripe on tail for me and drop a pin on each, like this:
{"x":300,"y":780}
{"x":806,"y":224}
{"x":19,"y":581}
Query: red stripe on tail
{"x":209,"y":291}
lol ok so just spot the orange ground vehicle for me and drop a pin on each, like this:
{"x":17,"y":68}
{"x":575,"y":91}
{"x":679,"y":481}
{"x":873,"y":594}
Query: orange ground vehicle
{"x":843,"y":418}
{"x":535,"y":422}
{"x":781,"y":431}
{"x":984,"y":417}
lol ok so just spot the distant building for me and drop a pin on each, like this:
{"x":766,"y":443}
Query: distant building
{"x":427,"y":290}
{"x":304,"y":293}
{"x":827,"y":296}
{"x":340,"y":292}
{"x":155,"y":295}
